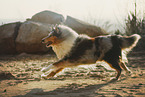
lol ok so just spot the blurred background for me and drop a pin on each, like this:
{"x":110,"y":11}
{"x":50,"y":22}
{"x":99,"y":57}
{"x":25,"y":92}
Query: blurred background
{"x":108,"y":14}
{"x":23,"y":22}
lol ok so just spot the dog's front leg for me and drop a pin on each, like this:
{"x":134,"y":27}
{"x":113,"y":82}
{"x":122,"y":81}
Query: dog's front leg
{"x":47,"y":68}
{"x":51,"y":74}
{"x":56,"y":67}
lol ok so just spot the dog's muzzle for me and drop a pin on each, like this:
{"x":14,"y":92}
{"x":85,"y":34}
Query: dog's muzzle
{"x":47,"y":43}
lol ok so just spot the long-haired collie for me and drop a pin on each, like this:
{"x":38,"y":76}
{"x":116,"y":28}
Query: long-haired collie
{"x":73,"y":49}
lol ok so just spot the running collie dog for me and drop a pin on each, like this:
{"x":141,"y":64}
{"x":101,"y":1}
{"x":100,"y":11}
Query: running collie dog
{"x":73,"y":49}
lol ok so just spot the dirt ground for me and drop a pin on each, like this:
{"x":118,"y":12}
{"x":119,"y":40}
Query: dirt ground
{"x":20,"y":77}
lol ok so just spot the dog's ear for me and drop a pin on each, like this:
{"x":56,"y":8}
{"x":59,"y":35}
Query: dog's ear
{"x":56,"y":25}
{"x":52,"y":27}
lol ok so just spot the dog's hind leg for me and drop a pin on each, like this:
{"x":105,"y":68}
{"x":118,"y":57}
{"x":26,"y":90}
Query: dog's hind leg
{"x":115,"y":65}
{"x":123,"y":66}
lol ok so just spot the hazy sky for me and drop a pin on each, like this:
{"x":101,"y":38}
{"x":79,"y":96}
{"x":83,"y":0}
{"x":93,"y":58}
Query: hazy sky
{"x":88,"y":10}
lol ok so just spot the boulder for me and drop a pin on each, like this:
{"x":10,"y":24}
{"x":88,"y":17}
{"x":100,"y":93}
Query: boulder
{"x":82,"y":27}
{"x":48,"y":17}
{"x":8,"y":34}
{"x":26,"y":37}
{"x":29,"y":37}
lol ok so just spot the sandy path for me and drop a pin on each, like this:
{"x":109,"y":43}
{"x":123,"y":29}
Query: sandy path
{"x":27,"y":82}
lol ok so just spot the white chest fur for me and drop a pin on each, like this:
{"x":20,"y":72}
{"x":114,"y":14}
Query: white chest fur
{"x":63,"y":48}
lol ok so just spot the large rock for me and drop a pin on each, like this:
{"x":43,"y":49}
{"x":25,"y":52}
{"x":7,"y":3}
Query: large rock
{"x":48,"y":17}
{"x":8,"y":34}
{"x":84,"y":28}
{"x":26,"y":37}
{"x":29,"y":37}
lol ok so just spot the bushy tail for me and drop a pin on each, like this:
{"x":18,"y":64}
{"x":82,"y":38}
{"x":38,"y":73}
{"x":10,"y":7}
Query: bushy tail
{"x":128,"y":42}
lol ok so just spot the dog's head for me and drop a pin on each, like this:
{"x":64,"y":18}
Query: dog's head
{"x":53,"y":37}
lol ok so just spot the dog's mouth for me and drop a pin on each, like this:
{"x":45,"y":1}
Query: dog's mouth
{"x":48,"y":43}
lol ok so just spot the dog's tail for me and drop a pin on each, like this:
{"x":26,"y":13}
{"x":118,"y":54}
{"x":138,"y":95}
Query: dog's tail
{"x":128,"y":42}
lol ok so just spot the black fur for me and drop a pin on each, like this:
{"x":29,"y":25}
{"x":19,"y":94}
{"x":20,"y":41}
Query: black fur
{"x":79,"y":49}
{"x":112,"y":57}
{"x":55,"y":33}
{"x":97,"y":44}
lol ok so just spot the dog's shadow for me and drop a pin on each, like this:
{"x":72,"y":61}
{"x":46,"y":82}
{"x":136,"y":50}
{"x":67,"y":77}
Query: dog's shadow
{"x":70,"y":90}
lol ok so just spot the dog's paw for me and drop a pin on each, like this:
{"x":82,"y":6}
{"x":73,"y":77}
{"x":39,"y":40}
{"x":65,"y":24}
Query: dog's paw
{"x":129,"y":73}
{"x":113,"y":79}
{"x":43,"y":76}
